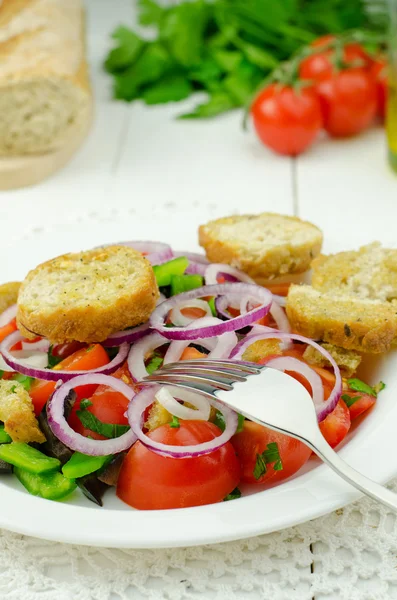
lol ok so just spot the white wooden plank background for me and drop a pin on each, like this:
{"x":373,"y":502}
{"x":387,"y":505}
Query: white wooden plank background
{"x":135,"y":154}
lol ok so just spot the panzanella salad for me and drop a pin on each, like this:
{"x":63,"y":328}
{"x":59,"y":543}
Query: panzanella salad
{"x":88,"y":328}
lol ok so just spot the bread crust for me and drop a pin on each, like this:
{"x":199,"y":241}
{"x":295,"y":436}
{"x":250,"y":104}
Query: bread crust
{"x":8,"y":294}
{"x":351,"y":323}
{"x":273,"y":258}
{"x":79,"y":315}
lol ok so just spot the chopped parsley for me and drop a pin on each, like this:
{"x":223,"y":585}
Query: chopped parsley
{"x":154,"y":363}
{"x":108,"y":430}
{"x":1,"y":373}
{"x":13,"y":389}
{"x":233,"y":495}
{"x":175,"y":422}
{"x":359,"y":386}
{"x":219,"y":421}
{"x":349,"y":400}
{"x":24,"y":380}
{"x":53,"y":361}
{"x":85,"y":403}
{"x":268,"y":456}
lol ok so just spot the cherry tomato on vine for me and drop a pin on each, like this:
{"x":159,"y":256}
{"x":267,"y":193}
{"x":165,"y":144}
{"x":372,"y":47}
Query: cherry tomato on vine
{"x":287,"y":120}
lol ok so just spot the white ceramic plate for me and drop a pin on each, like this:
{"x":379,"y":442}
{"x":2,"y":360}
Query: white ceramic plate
{"x":371,"y":448}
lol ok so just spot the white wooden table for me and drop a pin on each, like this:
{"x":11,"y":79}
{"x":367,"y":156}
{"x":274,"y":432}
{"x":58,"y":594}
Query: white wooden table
{"x":138,"y":155}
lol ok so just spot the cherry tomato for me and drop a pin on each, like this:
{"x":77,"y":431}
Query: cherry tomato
{"x":320,"y":66}
{"x":253,"y":440}
{"x":190,"y":353}
{"x":108,"y":405}
{"x":336,"y":425}
{"x":379,"y":73}
{"x":149,"y":481}
{"x":285,"y":119}
{"x":91,"y":357}
{"x":348,"y":100}
{"x":66,"y":349}
{"x":363,"y":403}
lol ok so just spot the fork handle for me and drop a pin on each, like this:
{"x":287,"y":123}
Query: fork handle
{"x":364,"y":484}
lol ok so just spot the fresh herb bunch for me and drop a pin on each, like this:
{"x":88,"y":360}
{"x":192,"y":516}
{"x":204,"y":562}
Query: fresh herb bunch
{"x":222,"y":47}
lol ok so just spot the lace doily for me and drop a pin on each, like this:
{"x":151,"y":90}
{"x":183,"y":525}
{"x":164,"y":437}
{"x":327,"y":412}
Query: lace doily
{"x":347,"y":555}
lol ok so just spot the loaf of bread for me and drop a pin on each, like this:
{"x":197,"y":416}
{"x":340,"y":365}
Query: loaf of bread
{"x":45,"y":93}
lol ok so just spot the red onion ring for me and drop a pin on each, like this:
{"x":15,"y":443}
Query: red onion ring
{"x":289,"y":363}
{"x":156,"y":252}
{"x":75,"y":441}
{"x":49,"y":374}
{"x":8,"y":315}
{"x":179,"y":319}
{"x":146,"y":397}
{"x":138,"y":351}
{"x":327,"y":406}
{"x":215,"y":269}
{"x":193,"y":257}
{"x":260,"y":295}
{"x":201,"y":412}
{"x":43,"y":345}
{"x":128,"y":336}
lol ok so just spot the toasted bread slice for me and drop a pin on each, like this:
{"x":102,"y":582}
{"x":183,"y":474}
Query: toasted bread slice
{"x":370,"y":272}
{"x":352,"y":323}
{"x":17,"y":413}
{"x":264,"y":246}
{"x":8,"y":294}
{"x":347,"y":360}
{"x":87,"y":296}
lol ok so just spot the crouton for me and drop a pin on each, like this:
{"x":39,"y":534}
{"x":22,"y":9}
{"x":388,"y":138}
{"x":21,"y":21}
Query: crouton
{"x":17,"y":413}
{"x":261,"y":349}
{"x":87,"y":296}
{"x":8,"y":294}
{"x":370,"y":272}
{"x":158,"y":415}
{"x":351,"y":323}
{"x":264,"y":246}
{"x":347,"y":360}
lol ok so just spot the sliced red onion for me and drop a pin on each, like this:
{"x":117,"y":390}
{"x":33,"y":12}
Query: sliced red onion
{"x":215,"y":269}
{"x":138,"y":352}
{"x":8,"y":315}
{"x":178,"y":319}
{"x":280,"y":317}
{"x":167,"y":400}
{"x":193,"y":257}
{"x":258,"y":294}
{"x":281,"y":300}
{"x":219,"y":348}
{"x":52,"y":374}
{"x":32,"y":358}
{"x":289,"y":363}
{"x":75,"y":441}
{"x":327,"y":406}
{"x":128,"y":336}
{"x":161,"y":299}
{"x":195,"y":268}
{"x":145,"y":398}
{"x":43,"y":345}
{"x":156,"y":252}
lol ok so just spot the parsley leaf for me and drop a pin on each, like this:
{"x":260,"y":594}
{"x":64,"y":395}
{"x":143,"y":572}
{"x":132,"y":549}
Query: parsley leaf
{"x":349,"y":400}
{"x":359,"y":386}
{"x":219,"y":421}
{"x":85,"y":403}
{"x":268,"y":456}
{"x":127,"y":51}
{"x":1,"y":373}
{"x":170,"y":88}
{"x":24,"y":380}
{"x":53,"y":361}
{"x":175,"y":422}
{"x":108,"y":430}
{"x":233,"y":495}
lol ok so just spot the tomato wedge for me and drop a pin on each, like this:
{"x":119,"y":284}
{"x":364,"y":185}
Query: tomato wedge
{"x":336,"y":425}
{"x":92,"y":357}
{"x":359,"y":403}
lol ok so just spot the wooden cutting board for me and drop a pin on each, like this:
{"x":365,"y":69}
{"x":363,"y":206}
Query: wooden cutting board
{"x":22,"y":171}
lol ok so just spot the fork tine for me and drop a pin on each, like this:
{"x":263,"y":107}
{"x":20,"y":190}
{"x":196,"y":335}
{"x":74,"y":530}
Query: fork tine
{"x":232,"y":366}
{"x":212,"y":374}
{"x":190,"y":380}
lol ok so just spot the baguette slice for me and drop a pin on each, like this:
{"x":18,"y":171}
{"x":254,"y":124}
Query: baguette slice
{"x":347,"y":360}
{"x":370,"y":272}
{"x":87,"y":296}
{"x":8,"y":294}
{"x":352,"y":323}
{"x":45,"y":97}
{"x":264,"y":246}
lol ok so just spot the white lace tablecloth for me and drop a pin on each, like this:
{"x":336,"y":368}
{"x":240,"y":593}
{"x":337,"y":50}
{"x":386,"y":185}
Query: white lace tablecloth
{"x":137,"y":160}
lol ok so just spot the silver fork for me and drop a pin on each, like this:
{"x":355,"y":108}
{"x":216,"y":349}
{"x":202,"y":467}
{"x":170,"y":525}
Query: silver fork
{"x":270,"y":398}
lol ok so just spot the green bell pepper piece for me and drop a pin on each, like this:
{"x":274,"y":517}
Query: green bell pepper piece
{"x":4,"y":437}
{"x":184,"y":283}
{"x":24,"y":456}
{"x":52,"y":486}
{"x":80,"y":465}
{"x":164,"y":272}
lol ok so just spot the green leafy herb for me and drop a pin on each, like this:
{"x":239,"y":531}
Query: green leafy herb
{"x":85,"y":403}
{"x":155,"y":363}
{"x":359,"y":386}
{"x":219,"y":421}
{"x":53,"y":361}
{"x":268,"y":456}
{"x":13,"y":389}
{"x":1,"y":373}
{"x":350,"y":400}
{"x":24,"y":380}
{"x":127,"y":51}
{"x":170,"y":88}
{"x":219,"y":102}
{"x":233,"y":495}
{"x":175,"y":422}
{"x":108,"y":430}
